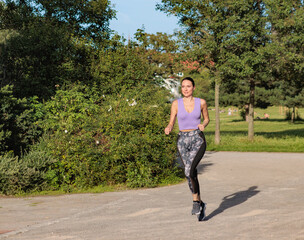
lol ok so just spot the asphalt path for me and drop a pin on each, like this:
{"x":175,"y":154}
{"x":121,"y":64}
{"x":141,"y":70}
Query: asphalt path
{"x":248,"y":196}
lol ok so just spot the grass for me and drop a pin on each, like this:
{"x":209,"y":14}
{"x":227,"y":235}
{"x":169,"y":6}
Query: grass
{"x":271,"y":135}
{"x":96,"y":189}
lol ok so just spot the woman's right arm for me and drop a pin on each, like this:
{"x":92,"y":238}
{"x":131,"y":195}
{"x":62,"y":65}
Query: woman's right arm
{"x":173,"y":115}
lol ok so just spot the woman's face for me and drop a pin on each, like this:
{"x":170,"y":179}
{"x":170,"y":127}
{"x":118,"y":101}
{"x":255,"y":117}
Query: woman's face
{"x":187,"y":88}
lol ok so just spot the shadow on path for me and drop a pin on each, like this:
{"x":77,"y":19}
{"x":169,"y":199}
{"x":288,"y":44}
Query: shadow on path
{"x":233,"y":200}
{"x":203,"y":167}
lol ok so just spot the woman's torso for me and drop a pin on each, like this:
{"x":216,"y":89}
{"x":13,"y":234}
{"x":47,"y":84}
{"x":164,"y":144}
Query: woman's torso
{"x":188,"y":121}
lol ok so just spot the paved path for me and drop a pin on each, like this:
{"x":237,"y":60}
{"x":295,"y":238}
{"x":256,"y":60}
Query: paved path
{"x":248,"y":195}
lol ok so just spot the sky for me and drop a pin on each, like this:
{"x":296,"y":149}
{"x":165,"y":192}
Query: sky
{"x":133,"y":14}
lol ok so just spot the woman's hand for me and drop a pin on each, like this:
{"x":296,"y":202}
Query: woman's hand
{"x":173,"y":115}
{"x":168,"y":129}
{"x":201,"y":127}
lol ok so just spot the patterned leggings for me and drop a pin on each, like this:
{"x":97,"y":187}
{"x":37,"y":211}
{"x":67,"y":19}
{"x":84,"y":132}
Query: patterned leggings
{"x":191,"y":147}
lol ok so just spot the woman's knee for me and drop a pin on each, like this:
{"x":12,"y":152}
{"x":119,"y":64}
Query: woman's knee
{"x":193,"y":174}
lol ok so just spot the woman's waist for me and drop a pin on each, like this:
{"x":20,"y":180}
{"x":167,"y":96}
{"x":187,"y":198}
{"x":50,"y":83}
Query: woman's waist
{"x":189,"y":132}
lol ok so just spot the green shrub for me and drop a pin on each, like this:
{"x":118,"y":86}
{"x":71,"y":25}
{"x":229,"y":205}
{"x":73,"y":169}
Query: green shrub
{"x":91,"y":140}
{"x":109,"y":139}
{"x":70,"y":122}
{"x":18,"y":122}
{"x":27,"y":173}
{"x":140,"y":153}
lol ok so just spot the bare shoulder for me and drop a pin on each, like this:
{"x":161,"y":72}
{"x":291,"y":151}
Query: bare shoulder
{"x":203,"y":103}
{"x":174,"y":102}
{"x":174,"y":105}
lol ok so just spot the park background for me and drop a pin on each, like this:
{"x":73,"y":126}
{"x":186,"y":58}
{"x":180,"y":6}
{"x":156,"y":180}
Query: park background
{"x":83,"y":108}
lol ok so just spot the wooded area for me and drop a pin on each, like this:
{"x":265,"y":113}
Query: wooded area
{"x":81,"y":106}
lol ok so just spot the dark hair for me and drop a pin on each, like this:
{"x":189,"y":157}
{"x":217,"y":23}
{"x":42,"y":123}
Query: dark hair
{"x":189,"y":79}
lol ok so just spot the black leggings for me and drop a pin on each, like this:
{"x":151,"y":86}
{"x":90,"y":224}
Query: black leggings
{"x":191,"y":147}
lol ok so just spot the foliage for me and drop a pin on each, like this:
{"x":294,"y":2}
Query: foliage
{"x":162,"y":51}
{"x":18,"y":122}
{"x":263,"y":97}
{"x":27,"y":173}
{"x":89,"y":18}
{"x":293,"y":115}
{"x":125,"y":65}
{"x":287,"y":56}
{"x":49,"y":43}
{"x":140,"y":148}
{"x":33,"y":73}
{"x":69,"y":123}
{"x":120,"y":66}
{"x":228,"y":37}
{"x":96,"y":140}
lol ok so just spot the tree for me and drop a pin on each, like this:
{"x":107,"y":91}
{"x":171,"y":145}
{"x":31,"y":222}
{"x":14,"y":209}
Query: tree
{"x":124,"y":65}
{"x":120,"y":66}
{"x":33,"y":59}
{"x":52,"y":44}
{"x":202,"y":34}
{"x":228,"y":36}
{"x":287,"y":25}
{"x":161,"y":50}
{"x":89,"y":18}
{"x":18,"y":123}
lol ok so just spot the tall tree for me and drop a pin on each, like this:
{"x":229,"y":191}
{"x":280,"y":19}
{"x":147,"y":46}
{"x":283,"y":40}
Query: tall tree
{"x":161,"y":50}
{"x":203,"y":26}
{"x":52,"y":42}
{"x":121,"y":66}
{"x":287,"y":26}
{"x":231,"y":34}
{"x":145,"y":60}
{"x":83,"y":18}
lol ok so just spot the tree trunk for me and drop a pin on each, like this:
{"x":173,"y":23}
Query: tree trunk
{"x":217,"y":138}
{"x":293,"y":115}
{"x":251,"y":112}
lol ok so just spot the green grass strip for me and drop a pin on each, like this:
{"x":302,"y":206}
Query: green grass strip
{"x":271,"y":135}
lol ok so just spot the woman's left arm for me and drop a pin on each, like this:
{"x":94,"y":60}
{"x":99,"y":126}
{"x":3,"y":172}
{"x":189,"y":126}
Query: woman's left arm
{"x":204,"y":110}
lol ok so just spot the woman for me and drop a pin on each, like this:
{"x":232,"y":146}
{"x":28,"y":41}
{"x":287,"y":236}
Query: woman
{"x":191,"y":143}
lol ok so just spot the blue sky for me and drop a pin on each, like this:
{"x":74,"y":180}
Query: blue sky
{"x":133,"y":14}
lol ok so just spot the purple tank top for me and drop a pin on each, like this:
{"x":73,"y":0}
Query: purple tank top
{"x":189,"y":120}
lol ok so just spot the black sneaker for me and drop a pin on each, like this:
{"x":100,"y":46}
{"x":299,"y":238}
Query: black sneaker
{"x":202,"y":214}
{"x":196,"y":210}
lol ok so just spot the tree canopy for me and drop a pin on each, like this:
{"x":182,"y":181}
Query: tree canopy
{"x":48,"y":43}
{"x":237,"y":41}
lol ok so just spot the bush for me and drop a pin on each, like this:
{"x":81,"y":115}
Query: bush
{"x":109,"y":139}
{"x":140,"y":154}
{"x":91,"y":140}
{"x":70,"y":122}
{"x":27,"y":173}
{"x":18,"y":123}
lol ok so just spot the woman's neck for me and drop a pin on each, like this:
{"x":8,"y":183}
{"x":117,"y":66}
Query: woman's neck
{"x":188,"y":99}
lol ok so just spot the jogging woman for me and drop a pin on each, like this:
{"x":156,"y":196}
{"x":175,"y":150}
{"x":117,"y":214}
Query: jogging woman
{"x":191,"y":143}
